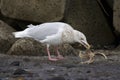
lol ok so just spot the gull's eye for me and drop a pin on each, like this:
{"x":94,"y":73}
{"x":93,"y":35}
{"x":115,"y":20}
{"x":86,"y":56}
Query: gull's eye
{"x":82,"y":39}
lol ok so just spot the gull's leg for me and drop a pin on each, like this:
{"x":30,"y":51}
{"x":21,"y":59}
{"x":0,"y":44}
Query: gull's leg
{"x":49,"y":56}
{"x":58,"y":54}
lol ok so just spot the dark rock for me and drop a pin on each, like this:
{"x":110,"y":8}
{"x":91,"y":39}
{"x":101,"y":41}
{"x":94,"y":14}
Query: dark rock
{"x":110,"y":3}
{"x":87,"y":17}
{"x":15,"y":63}
{"x":88,"y":71}
{"x":6,"y":37}
{"x":116,"y":15}
{"x":26,"y":60}
{"x":82,"y":79}
{"x":0,"y":4}
{"x":57,"y":78}
{"x":117,"y":48}
{"x":68,"y":65}
{"x":20,"y":72}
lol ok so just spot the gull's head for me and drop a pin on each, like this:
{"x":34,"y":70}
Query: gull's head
{"x":80,"y":38}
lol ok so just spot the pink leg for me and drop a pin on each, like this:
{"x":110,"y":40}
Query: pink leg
{"x":49,"y":57}
{"x":58,"y":53}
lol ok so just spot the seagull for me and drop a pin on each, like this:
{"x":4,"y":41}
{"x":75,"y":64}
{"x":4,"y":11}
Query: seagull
{"x":53,"y":33}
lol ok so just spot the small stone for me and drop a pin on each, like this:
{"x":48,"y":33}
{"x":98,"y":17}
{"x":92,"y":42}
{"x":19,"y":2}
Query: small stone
{"x":69,"y":65}
{"x":15,"y":63}
{"x":57,"y":78}
{"x":81,"y":79}
{"x":51,"y":70}
{"x":26,"y":59}
{"x":88,"y":71}
{"x":20,"y":72}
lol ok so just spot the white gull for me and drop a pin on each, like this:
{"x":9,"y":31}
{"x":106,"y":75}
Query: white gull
{"x":53,"y":33}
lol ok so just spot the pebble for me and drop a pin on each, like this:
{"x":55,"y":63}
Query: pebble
{"x":20,"y":72}
{"x":15,"y":63}
{"x":57,"y":78}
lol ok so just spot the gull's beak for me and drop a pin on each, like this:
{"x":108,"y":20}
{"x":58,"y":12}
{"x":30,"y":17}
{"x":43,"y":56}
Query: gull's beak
{"x":85,"y":44}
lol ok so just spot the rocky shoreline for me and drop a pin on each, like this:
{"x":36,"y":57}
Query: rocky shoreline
{"x":39,"y":68}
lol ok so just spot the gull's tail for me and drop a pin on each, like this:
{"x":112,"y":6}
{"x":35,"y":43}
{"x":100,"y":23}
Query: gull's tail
{"x":19,"y":34}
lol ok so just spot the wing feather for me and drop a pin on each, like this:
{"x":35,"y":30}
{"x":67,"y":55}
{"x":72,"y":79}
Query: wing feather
{"x":40,"y":32}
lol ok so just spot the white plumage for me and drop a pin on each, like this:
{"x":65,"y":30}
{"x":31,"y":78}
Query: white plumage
{"x":53,"y":33}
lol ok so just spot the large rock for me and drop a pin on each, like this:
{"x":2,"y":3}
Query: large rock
{"x":86,"y":16}
{"x":34,"y":10}
{"x":0,"y":5}
{"x":27,"y":46}
{"x":109,"y":3}
{"x":116,"y":15}
{"x":6,"y":37}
